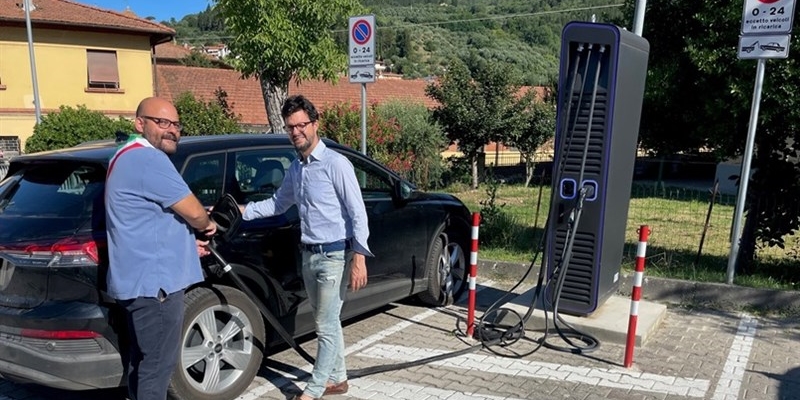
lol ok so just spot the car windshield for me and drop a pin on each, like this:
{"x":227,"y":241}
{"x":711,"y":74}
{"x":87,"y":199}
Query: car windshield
{"x":51,"y":199}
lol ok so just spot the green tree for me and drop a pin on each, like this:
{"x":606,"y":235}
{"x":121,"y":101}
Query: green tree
{"x":206,"y":118}
{"x":197,"y":59}
{"x":71,"y":126}
{"x":210,"y":20}
{"x":699,"y":95}
{"x":476,"y":108}
{"x":420,"y":136}
{"x":278,"y":40}
{"x":539,"y":126}
{"x":341,"y":122}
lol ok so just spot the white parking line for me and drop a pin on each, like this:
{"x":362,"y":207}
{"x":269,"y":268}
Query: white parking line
{"x":380,"y":390}
{"x":732,"y":374}
{"x":614,"y":378}
{"x":280,"y":379}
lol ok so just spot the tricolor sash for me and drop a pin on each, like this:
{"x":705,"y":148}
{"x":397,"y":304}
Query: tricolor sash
{"x":134,"y":142}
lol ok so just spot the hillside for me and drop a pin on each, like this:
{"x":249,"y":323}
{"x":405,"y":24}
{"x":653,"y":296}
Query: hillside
{"x":417,"y":38}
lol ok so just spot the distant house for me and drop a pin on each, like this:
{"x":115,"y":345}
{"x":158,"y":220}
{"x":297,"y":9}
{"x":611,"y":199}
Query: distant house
{"x":84,"y":56}
{"x":218,"y":51}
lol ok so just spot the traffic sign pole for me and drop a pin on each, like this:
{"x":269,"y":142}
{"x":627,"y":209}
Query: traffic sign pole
{"x":364,"y":118}
{"x":760,"y":19}
{"x":744,"y":178}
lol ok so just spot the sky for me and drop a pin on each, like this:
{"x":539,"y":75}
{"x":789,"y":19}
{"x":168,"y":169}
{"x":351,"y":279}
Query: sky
{"x":163,"y":10}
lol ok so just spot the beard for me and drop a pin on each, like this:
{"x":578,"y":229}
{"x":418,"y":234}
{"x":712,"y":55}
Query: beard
{"x":301,"y":146}
{"x":168,"y":143}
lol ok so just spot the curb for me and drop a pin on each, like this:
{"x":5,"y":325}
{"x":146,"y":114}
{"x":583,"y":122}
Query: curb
{"x":674,"y":292}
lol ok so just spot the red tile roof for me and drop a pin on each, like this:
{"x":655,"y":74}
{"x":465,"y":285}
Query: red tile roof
{"x":65,"y":13}
{"x":244,"y":95}
{"x":245,"y":98}
{"x":171,"y":51}
{"x":325,"y":94}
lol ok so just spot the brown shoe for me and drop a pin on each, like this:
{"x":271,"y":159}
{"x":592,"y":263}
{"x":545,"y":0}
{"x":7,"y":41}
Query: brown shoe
{"x":337,"y":388}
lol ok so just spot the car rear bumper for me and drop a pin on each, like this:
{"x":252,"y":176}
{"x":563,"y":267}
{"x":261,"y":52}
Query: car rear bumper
{"x":21,"y":362}
{"x":31,"y":350}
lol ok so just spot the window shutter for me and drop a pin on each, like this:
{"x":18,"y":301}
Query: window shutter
{"x":102,"y":69}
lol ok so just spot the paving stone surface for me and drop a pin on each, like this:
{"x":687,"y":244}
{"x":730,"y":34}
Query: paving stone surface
{"x":694,"y":354}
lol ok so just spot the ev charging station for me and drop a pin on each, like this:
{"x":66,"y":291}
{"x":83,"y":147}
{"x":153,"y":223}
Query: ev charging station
{"x":601,"y":85}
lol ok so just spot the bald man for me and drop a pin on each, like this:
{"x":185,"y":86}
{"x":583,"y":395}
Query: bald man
{"x":151,"y":218}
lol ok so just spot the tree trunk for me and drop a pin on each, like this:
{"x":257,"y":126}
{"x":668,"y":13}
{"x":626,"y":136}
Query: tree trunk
{"x":274,"y":95}
{"x":474,"y":163}
{"x":747,"y":245}
{"x":528,"y":170}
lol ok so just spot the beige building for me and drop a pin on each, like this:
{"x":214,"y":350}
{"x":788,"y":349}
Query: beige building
{"x":84,"y":55}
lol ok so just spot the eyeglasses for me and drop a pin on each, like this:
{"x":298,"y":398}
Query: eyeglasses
{"x":164,"y":123}
{"x":302,"y":126}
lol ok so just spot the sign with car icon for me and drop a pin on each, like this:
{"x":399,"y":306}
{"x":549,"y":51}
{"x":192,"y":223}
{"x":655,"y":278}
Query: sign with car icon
{"x":771,"y":46}
{"x":362,"y":73}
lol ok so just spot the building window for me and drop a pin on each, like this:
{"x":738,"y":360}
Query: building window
{"x":102,"y":69}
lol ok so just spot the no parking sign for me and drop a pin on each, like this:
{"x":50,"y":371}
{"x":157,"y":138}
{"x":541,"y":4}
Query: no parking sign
{"x":362,"y":40}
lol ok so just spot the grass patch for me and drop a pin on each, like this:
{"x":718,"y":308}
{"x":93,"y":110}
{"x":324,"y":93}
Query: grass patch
{"x":679,"y":220}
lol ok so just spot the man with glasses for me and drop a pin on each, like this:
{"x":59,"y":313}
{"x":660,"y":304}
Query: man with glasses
{"x":333,"y":233}
{"x":151,"y":218}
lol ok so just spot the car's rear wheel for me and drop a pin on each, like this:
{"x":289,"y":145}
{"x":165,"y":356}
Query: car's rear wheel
{"x":222,"y":345}
{"x":446,"y":272}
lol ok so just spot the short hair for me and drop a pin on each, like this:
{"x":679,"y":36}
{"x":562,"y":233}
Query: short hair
{"x":297,"y":103}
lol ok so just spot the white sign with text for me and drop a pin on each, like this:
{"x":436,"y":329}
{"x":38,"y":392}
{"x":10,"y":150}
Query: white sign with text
{"x":765,"y":17}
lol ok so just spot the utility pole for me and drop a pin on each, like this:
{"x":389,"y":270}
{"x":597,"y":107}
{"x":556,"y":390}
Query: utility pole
{"x":638,"y":17}
{"x":36,"y":102}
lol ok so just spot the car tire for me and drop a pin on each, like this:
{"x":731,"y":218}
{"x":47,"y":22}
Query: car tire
{"x":222,"y":328}
{"x":446,"y":272}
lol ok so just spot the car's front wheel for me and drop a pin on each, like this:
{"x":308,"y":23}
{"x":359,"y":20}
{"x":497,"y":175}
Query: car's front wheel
{"x":446,"y":271}
{"x":222,"y":345}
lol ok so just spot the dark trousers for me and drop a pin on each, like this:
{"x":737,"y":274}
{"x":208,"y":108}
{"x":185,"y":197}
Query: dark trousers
{"x":154,"y":331}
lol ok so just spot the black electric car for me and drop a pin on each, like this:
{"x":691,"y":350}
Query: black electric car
{"x":59,"y":328}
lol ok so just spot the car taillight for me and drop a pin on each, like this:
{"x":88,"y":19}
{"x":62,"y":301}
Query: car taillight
{"x":70,"y":252}
{"x":59,"y":335}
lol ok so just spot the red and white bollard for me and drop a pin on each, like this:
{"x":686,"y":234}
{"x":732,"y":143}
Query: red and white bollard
{"x":636,"y":295}
{"x":473,"y":272}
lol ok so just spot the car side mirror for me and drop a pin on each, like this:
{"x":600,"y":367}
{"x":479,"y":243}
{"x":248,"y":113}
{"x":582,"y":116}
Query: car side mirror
{"x":401,"y":191}
{"x":227,"y":215}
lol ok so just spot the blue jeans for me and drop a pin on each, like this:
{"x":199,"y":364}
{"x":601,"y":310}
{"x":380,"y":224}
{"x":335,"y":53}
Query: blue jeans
{"x":326,"y":278}
{"x":154,"y":331}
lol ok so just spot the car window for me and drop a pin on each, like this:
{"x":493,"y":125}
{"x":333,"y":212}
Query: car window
{"x":374,"y":182}
{"x":52,"y":199}
{"x":260,"y":172}
{"x":53,"y":190}
{"x":204,"y":174}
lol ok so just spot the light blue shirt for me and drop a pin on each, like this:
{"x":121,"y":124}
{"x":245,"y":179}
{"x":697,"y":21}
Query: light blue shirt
{"x":149,"y":246}
{"x":328,"y":198}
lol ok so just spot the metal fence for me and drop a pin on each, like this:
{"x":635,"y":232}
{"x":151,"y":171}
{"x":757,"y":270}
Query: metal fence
{"x":686,"y":225}
{"x":689,"y":229}
{"x":9,"y":147}
{"x":690,"y":232}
